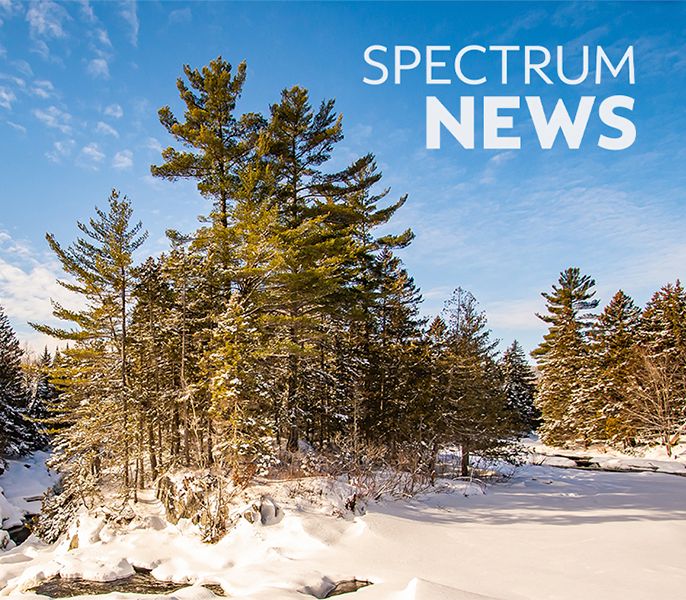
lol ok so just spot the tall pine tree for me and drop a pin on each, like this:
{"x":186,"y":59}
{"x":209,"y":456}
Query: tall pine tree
{"x":562,"y":353}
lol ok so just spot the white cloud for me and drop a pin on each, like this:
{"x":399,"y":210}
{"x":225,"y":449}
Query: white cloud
{"x":23,"y":67}
{"x":106,"y":129}
{"x":6,"y":98}
{"x":515,"y":315}
{"x":60,"y":150}
{"x":502,"y":157}
{"x":129,"y":12}
{"x":46,"y":19}
{"x":28,"y":283}
{"x":17,"y":81}
{"x":17,"y":126}
{"x":55,"y":118}
{"x":9,"y":8}
{"x":180,"y":15}
{"x":114,"y":110}
{"x":41,"y":48}
{"x":42,"y":88}
{"x":87,"y":11}
{"x":90,"y":156}
{"x":153,"y":144}
{"x":103,"y":37}
{"x":98,"y":67}
{"x":123,"y":160}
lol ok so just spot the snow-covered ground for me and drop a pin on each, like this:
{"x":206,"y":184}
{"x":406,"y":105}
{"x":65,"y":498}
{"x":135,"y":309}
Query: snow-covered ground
{"x":21,"y":486}
{"x":646,"y":458}
{"x":545,"y":534}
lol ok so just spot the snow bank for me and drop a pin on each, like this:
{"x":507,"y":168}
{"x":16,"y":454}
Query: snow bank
{"x":648,"y":458}
{"x":21,"y":487}
{"x":546,"y":534}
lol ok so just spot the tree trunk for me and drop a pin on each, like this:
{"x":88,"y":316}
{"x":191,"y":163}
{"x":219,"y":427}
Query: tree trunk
{"x":291,"y":404}
{"x":151,"y":451}
{"x":464,"y":461}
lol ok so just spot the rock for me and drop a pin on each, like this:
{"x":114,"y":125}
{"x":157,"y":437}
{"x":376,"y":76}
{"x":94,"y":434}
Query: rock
{"x":270,"y":512}
{"x":265,"y":512}
{"x":346,"y":587}
{"x":74,"y":543}
{"x":5,"y":541}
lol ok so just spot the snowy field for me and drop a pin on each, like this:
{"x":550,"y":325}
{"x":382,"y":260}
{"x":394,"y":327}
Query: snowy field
{"x":545,"y":534}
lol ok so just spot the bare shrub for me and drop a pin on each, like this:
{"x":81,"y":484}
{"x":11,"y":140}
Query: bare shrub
{"x":657,"y":399}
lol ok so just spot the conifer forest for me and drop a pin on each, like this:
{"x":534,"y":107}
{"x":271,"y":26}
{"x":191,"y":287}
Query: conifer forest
{"x":287,"y":321}
{"x":284,"y":336}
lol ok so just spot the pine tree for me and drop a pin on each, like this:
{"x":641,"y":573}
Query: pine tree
{"x":18,"y":435}
{"x":43,"y":391}
{"x":396,"y":329}
{"x":562,"y":353}
{"x":612,"y":360}
{"x":98,"y":395}
{"x":12,"y":391}
{"x":520,"y":387}
{"x":658,"y":387}
{"x":472,"y":396}
{"x":663,"y":323}
{"x":299,"y":141}
{"x":219,"y":141}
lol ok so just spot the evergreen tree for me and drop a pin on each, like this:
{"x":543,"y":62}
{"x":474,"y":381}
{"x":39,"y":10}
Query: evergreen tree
{"x":520,"y":387}
{"x":658,"y":388}
{"x":663,"y":323}
{"x":18,"y":435}
{"x":219,"y":142}
{"x":396,"y":331}
{"x":299,"y":141}
{"x":562,"y":353}
{"x":12,"y":391}
{"x":43,"y":391}
{"x":612,"y":361}
{"x":472,"y":395}
{"x":96,"y":368}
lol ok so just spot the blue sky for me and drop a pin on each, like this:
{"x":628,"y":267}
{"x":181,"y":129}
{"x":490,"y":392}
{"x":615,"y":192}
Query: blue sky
{"x":80,"y":85}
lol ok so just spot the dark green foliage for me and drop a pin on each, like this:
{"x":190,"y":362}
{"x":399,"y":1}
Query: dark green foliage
{"x":612,"y":363}
{"x":19,"y":434}
{"x":520,"y":387}
{"x":218,"y":141}
{"x":562,"y":355}
{"x":286,"y":319}
{"x":469,"y":384}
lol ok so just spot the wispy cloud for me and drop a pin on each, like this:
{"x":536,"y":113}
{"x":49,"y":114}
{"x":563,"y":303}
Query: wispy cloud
{"x":123,"y":160}
{"x":46,"y":19}
{"x":153,"y":144}
{"x":28,"y":283}
{"x":102,"y":37}
{"x":181,"y":15}
{"x":42,"y":88}
{"x":60,"y":150}
{"x":87,"y":11}
{"x":23,"y":67}
{"x":98,"y":67}
{"x":129,"y":12}
{"x":54,"y":117}
{"x":114,"y":110}
{"x":90,"y":156}
{"x":9,"y":9}
{"x":7,"y":96}
{"x":16,"y":126}
{"x":106,"y":129}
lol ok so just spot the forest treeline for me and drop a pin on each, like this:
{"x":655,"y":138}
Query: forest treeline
{"x":287,"y":321}
{"x":617,"y":377}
